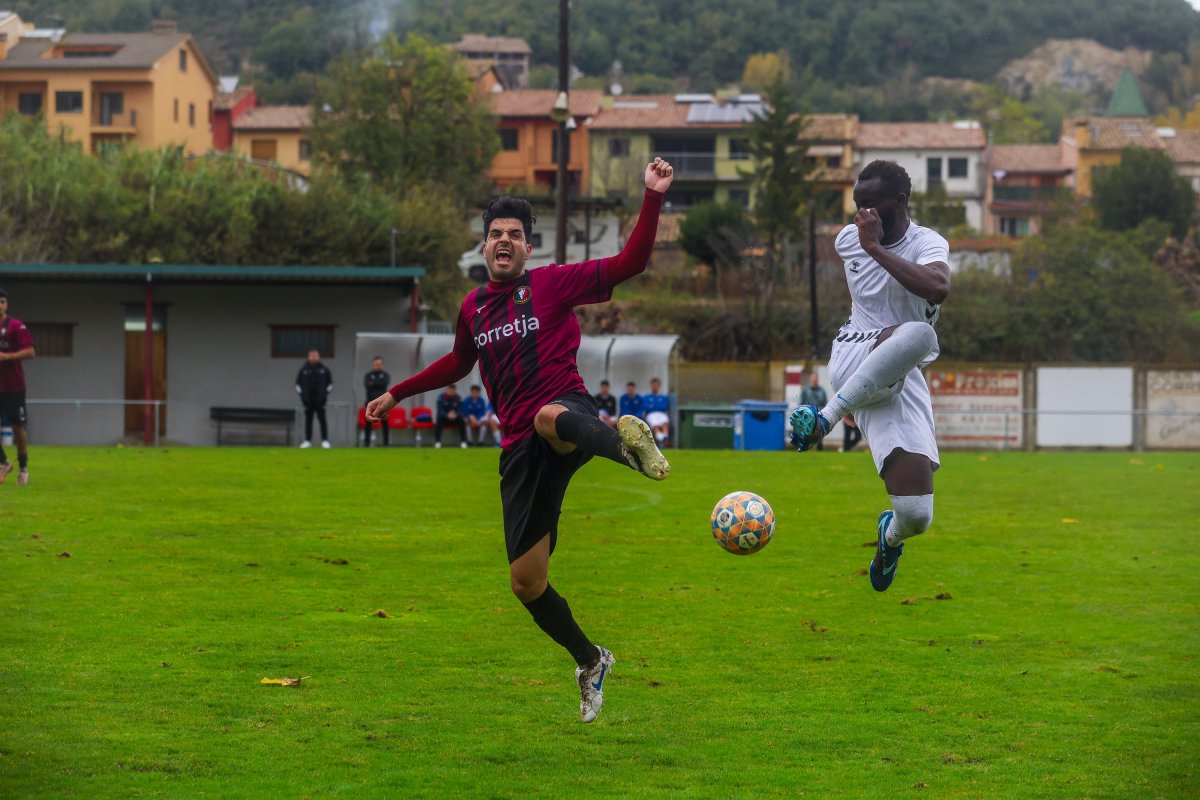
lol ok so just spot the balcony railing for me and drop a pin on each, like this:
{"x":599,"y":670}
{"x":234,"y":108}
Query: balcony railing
{"x":692,"y":165}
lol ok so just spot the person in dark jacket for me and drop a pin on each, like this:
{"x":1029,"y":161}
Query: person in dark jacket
{"x":314,"y":383}
{"x":449,"y":412}
{"x":376,"y":382}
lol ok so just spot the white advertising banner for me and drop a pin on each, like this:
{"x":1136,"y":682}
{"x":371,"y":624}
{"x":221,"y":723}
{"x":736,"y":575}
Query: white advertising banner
{"x":1088,"y":407}
{"x":977,"y":408}
{"x":1173,"y":409}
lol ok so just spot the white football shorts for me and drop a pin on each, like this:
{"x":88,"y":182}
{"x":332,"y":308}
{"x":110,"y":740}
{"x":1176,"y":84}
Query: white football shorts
{"x":656,"y":418}
{"x":899,"y":416}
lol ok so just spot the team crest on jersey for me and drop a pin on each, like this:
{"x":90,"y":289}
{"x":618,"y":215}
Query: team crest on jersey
{"x":522,"y":294}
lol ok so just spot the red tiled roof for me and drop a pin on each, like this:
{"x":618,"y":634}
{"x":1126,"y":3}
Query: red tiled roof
{"x":1027,"y":158}
{"x":919,"y":135}
{"x":478,"y":43}
{"x":538,"y":102}
{"x":275,"y":118}
{"x":642,"y":112}
{"x":1182,"y":145}
{"x":227,"y":100}
{"x":1114,"y":133}
{"x":831,"y":127}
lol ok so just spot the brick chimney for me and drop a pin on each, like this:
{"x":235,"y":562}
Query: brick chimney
{"x":164,"y":26}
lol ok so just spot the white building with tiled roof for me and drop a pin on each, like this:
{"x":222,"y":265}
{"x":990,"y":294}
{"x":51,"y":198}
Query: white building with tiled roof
{"x":946,"y":154}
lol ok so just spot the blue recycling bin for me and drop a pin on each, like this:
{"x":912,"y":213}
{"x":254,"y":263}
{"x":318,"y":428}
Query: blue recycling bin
{"x":759,"y":425}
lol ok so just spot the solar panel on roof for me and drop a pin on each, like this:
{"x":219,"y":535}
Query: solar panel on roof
{"x":711,"y":112}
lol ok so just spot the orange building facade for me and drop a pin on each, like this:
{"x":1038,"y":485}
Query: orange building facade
{"x":529,"y":139}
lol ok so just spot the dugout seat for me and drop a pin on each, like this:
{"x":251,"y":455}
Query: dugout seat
{"x":420,"y":419}
{"x":397,"y":418}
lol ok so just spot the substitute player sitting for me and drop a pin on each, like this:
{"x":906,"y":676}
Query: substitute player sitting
{"x":899,"y":276}
{"x":522,"y":329}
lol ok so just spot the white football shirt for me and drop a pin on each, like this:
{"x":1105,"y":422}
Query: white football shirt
{"x":877,"y":299}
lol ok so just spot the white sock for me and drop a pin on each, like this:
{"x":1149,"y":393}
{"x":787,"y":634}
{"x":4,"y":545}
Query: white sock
{"x":883,"y":366}
{"x":911,"y":514}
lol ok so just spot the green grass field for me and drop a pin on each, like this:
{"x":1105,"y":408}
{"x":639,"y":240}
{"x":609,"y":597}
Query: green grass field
{"x":1040,"y":641}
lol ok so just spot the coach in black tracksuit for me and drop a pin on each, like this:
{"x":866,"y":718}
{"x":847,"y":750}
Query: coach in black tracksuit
{"x":314,"y":383}
{"x":376,"y":382}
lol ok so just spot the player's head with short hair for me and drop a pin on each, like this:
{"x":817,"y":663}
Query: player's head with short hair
{"x":883,"y":188}
{"x":3,"y":294}
{"x":891,"y":174}
{"x":475,"y":389}
{"x":603,"y":384}
{"x":314,"y":355}
{"x":508,"y":207}
{"x":377,"y":361}
{"x":507,"y":237}
{"x":655,"y":384}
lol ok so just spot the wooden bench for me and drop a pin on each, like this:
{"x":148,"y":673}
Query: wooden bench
{"x":282,"y":419}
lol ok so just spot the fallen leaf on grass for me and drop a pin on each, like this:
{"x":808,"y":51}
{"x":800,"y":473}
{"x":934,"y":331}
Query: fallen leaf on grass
{"x":1070,"y":521}
{"x":285,"y":681}
{"x":64,"y":554}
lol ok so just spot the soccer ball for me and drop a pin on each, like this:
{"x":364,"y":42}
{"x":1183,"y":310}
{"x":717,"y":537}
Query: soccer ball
{"x":742,"y":523}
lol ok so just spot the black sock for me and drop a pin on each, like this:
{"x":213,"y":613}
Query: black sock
{"x":22,"y":460}
{"x":553,"y":615}
{"x":590,"y":434}
{"x":3,"y":456}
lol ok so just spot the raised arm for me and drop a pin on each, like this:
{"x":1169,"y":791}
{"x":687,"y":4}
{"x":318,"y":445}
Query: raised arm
{"x":635,"y":255}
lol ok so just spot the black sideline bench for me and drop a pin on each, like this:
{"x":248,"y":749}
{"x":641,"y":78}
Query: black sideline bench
{"x":283,"y":419}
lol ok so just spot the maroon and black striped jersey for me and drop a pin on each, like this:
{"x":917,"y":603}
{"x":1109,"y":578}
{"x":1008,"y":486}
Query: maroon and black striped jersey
{"x":524,"y":332}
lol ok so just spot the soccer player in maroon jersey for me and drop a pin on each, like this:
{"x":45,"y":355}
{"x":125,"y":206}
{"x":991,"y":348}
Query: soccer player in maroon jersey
{"x":16,"y":345}
{"x":521,"y":327}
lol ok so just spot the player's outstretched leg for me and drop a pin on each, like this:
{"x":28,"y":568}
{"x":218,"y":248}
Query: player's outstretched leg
{"x":631,"y":444}
{"x":591,"y":685}
{"x":911,"y":515}
{"x":885,"y":366}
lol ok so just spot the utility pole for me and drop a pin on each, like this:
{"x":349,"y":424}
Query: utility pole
{"x":560,"y":114}
{"x":812,"y":275}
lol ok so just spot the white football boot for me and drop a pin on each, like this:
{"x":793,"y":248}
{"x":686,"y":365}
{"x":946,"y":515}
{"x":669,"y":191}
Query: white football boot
{"x":591,"y":685}
{"x":640,"y":450}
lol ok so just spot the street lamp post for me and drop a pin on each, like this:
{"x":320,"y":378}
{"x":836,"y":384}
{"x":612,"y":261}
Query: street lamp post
{"x":560,"y":114}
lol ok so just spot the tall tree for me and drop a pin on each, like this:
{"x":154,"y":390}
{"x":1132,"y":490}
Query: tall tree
{"x":407,"y":116}
{"x":781,"y":177}
{"x":1144,"y":186}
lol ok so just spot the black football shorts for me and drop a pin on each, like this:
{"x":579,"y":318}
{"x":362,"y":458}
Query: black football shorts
{"x":533,"y":482}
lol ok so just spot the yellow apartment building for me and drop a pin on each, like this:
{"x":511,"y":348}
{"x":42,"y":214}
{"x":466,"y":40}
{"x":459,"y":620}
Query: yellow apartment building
{"x":150,"y":89}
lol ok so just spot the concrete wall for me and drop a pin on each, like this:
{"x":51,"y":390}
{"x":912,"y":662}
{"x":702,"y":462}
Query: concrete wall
{"x":218,"y":352}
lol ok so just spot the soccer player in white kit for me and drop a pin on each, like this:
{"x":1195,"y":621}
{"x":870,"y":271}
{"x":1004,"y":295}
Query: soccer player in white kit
{"x":898,"y":276}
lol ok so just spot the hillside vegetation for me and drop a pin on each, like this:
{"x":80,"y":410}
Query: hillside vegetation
{"x":701,"y":43}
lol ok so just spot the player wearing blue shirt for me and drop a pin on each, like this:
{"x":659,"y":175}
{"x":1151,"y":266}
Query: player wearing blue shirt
{"x":631,"y":402}
{"x":658,"y":412}
{"x":474,"y":409}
